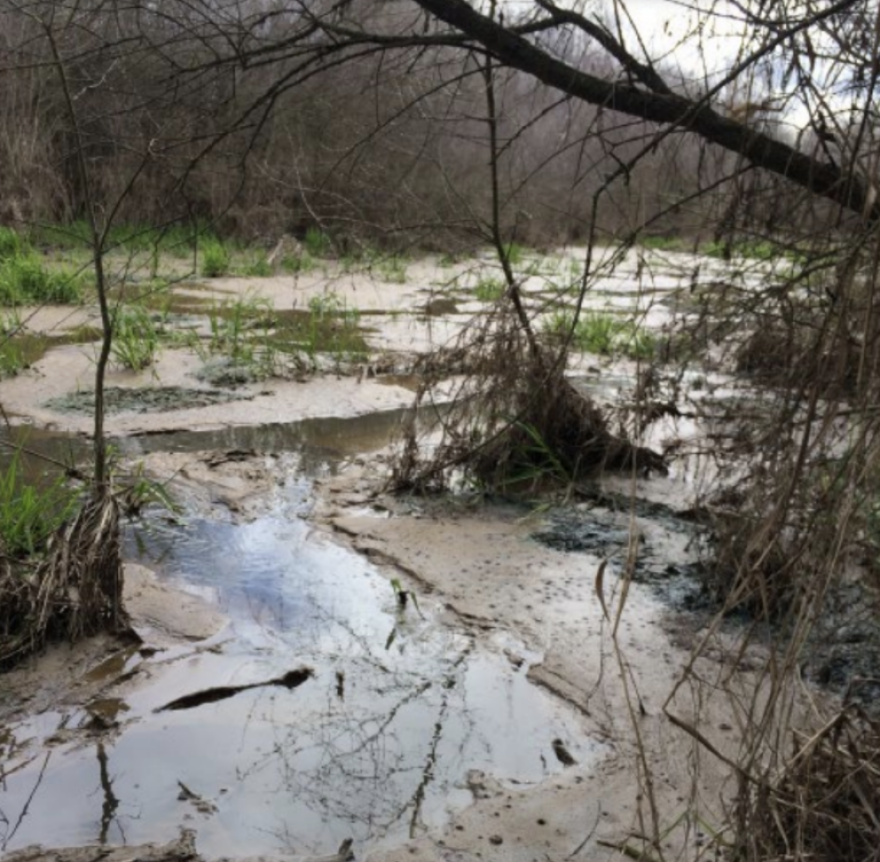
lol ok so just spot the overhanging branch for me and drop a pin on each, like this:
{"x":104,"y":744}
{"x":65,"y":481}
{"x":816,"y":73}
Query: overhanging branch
{"x":825,"y":179}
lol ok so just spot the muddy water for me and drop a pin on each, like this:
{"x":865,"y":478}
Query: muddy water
{"x":378,"y":745}
{"x":323,"y":440}
{"x":320,"y":443}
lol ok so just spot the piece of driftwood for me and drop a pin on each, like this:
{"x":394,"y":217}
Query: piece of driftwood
{"x":183,"y":849}
{"x":289,"y":680}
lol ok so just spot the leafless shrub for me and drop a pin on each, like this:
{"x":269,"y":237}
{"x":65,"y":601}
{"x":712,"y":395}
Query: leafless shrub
{"x":772,"y":351}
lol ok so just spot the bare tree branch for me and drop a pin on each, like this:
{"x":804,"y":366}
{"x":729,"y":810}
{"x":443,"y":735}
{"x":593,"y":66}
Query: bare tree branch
{"x":837,"y":183}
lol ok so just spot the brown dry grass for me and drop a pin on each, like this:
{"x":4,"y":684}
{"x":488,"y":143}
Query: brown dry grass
{"x":791,"y":518}
{"x":823,"y":804}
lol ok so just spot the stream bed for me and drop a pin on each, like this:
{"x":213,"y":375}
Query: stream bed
{"x":490,"y":714}
{"x":399,"y":716}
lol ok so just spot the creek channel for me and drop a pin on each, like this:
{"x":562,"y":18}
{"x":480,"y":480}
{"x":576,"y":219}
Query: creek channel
{"x":394,"y":709}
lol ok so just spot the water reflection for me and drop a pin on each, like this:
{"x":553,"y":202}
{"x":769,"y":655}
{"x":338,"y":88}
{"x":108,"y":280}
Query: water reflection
{"x":376,"y":746}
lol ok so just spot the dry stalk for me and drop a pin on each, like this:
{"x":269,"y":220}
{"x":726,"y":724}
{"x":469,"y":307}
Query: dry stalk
{"x":824,"y":803}
{"x":792,"y":528}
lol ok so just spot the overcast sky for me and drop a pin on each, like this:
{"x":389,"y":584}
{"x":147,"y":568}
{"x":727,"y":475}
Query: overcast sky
{"x":665,"y":25}
{"x":703,"y":55}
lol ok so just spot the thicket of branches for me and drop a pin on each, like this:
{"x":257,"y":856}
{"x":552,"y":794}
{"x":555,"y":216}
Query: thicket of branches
{"x":266,"y":120}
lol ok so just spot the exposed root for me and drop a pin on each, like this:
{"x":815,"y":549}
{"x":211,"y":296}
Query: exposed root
{"x":76,"y":591}
{"x":515,"y":420}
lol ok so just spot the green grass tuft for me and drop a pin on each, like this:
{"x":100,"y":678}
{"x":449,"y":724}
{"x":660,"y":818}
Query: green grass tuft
{"x":514,"y":253}
{"x":392,"y":268}
{"x":215,"y":258}
{"x":602,"y":334}
{"x":136,"y":337}
{"x":12,"y":358}
{"x":296,"y":264}
{"x":30,"y":513}
{"x":597,"y":333}
{"x":317,"y":243}
{"x":11,"y":244}
{"x":489,"y":289}
{"x":662,"y":243}
{"x":256,"y":265}
{"x":333,"y":328}
{"x":25,"y":280}
{"x":761,"y":250}
{"x":240,"y":332}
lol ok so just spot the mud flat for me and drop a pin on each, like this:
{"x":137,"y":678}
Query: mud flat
{"x":463,"y":690}
{"x":492,"y":575}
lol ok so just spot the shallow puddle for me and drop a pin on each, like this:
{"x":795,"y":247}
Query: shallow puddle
{"x":377,"y":744}
{"x":25,"y":348}
{"x":320,"y":441}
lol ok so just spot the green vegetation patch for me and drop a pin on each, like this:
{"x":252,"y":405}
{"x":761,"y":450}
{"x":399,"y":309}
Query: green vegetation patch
{"x":388,"y":267}
{"x":11,"y":244}
{"x":152,"y":400}
{"x":662,"y":243}
{"x":328,"y":327}
{"x":26,"y":280}
{"x":298,"y":264}
{"x":216,"y":258}
{"x":602,"y":334}
{"x":255,"y":264}
{"x":391,"y":268}
{"x":334,"y":328}
{"x":240,"y":332}
{"x":489,"y":289}
{"x":219,"y":258}
{"x":70,"y":235}
{"x":753,"y":249}
{"x":22,"y":349}
{"x":136,"y":337}
{"x":515,"y":253}
{"x":30,"y":512}
{"x":318,"y":243}
{"x":725,"y":249}
{"x":179,"y":239}
{"x":11,"y":359}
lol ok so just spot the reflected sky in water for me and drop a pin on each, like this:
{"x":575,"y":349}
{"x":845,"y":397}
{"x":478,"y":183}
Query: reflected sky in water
{"x":377,"y":746}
